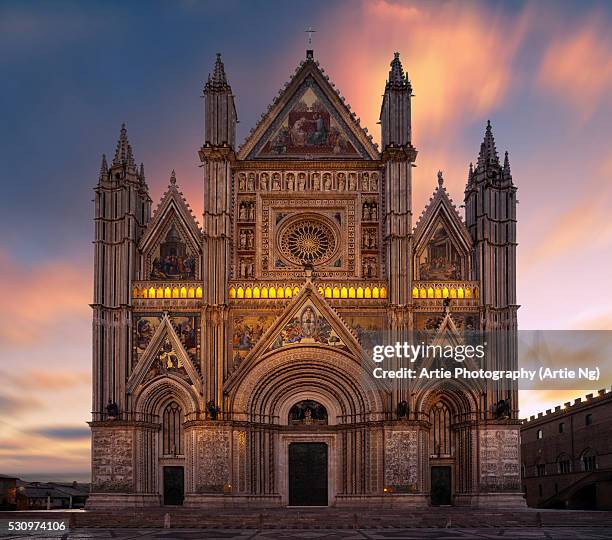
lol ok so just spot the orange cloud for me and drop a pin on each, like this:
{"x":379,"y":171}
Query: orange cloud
{"x":577,"y":67}
{"x":532,"y":402}
{"x":459,"y":57}
{"x":39,"y":298}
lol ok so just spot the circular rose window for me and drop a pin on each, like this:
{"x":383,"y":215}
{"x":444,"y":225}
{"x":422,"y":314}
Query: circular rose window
{"x":307,"y":241}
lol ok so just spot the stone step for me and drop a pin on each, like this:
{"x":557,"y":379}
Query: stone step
{"x":323,"y":518}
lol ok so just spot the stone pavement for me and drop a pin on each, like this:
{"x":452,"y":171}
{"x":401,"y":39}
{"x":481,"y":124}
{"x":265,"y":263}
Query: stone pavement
{"x":530,"y":533}
{"x":322,"y":524}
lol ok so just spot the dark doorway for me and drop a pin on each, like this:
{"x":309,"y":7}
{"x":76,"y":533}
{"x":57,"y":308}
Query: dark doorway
{"x":308,"y":474}
{"x":174,"y":485}
{"x":440,"y":486}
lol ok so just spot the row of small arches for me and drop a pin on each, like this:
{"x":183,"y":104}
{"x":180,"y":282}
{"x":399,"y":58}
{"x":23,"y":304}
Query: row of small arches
{"x":327,"y":292}
{"x":168,"y":292}
{"x":263,"y":292}
{"x":444,"y":292}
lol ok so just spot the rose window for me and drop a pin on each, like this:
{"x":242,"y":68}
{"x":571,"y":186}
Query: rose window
{"x":308,"y":241}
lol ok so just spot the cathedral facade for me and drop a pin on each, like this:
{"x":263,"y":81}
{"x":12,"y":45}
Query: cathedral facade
{"x":231,"y":358}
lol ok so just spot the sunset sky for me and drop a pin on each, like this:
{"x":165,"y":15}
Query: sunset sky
{"x":72,"y":72}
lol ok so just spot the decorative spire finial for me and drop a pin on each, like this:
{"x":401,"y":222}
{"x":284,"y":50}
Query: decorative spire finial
{"x":488,"y":152}
{"x":173,"y":178}
{"x":507,"y":174}
{"x":309,"y":52}
{"x":397,"y":77}
{"x":218,"y":79}
{"x":123,"y":153}
{"x":440,"y":179}
{"x":103,"y":167}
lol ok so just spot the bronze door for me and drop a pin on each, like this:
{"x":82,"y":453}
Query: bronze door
{"x":440,"y":486}
{"x":308,"y":474}
{"x":174,"y":485}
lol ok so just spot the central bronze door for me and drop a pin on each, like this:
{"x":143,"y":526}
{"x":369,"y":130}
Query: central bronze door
{"x":174,"y":485}
{"x":308,"y":474}
{"x":440,"y":486}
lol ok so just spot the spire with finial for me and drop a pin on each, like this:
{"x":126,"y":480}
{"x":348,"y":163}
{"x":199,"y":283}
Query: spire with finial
{"x":173,"y":178}
{"x":103,"y":167}
{"x":123,"y":153}
{"x":397,"y":77}
{"x":506,"y":164}
{"x":218,"y":80}
{"x":440,"y":179}
{"x":488,"y":152}
{"x":141,"y":174}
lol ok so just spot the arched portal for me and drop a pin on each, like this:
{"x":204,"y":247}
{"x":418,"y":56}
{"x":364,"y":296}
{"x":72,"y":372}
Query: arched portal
{"x":170,"y":401}
{"x":310,"y":404}
{"x":450,"y":407}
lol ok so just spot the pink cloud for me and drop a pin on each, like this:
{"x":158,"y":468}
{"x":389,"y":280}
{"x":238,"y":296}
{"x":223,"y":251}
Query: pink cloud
{"x":38,"y":299}
{"x":577,"y":66}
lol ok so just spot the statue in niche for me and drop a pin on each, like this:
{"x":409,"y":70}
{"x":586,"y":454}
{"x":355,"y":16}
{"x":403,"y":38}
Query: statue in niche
{"x":252,"y":211}
{"x":243,"y":238}
{"x":327,"y":182}
{"x":250,"y":239}
{"x":241,"y":182}
{"x":291,"y":182}
{"x":301,"y":182}
{"x":264,"y":182}
{"x":316,"y":182}
{"x":352,"y":181}
{"x":374,"y":182}
{"x":276,"y":182}
{"x":307,"y":411}
{"x":373,"y":211}
{"x":251,"y":182}
{"x":365,"y":213}
{"x":242,"y":212}
{"x":365,"y":181}
{"x":341,"y":182}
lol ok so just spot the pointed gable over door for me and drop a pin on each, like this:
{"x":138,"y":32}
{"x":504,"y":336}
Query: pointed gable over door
{"x":309,"y":119}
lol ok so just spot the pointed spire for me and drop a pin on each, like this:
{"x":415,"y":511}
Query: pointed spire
{"x":488,"y":152}
{"x":218,"y":80}
{"x":397,"y":77}
{"x":123,"y":153}
{"x":103,"y":167}
{"x":141,"y":174}
{"x":506,"y":165}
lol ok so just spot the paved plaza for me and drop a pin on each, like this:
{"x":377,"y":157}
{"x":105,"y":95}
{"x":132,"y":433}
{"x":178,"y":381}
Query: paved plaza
{"x":550,"y":533}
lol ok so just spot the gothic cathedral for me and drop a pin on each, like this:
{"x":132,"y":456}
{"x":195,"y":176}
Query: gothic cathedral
{"x":231,"y":358}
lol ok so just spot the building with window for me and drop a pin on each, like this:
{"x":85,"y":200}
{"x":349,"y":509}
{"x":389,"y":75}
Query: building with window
{"x":567,"y":455}
{"x":231,"y":357}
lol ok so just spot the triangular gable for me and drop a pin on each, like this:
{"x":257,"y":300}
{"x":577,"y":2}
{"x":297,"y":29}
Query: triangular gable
{"x":308,"y":320}
{"x":441,"y":206}
{"x":309,"y":119}
{"x":173,"y":225}
{"x":447,"y":334}
{"x":164,"y":356}
{"x":172,"y":205}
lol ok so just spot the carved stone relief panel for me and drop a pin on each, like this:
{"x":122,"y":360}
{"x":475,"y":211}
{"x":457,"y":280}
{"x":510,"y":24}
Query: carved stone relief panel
{"x":112,"y":458}
{"x":213,"y":460}
{"x":499,"y":460}
{"x":401,"y":460}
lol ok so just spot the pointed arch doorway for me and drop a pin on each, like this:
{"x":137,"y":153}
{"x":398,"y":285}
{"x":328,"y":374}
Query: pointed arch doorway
{"x":441,"y":450}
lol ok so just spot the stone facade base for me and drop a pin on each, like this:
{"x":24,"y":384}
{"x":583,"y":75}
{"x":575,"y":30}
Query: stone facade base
{"x":389,"y":500}
{"x":103,"y":501}
{"x":491,"y":500}
{"x":223,"y":500}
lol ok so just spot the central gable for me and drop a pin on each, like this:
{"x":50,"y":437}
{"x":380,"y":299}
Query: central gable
{"x":309,"y":120}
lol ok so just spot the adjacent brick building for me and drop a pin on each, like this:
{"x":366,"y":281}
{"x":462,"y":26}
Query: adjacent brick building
{"x":567,"y":455}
